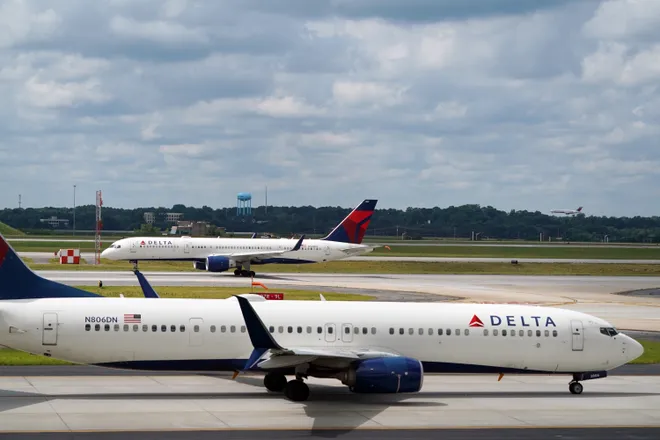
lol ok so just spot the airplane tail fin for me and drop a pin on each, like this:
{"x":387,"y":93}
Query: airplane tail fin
{"x":17,"y":281}
{"x":354,"y":226}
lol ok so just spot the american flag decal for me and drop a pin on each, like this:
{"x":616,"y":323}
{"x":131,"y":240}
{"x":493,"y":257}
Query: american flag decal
{"x":132,"y":318}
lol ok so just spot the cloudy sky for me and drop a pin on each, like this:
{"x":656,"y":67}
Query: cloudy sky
{"x":516,"y":104}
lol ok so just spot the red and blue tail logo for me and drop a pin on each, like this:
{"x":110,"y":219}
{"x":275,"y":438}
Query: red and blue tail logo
{"x":354,"y":226}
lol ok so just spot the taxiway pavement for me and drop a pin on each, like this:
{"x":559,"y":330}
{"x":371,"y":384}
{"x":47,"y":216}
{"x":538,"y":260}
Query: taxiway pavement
{"x":188,"y":402}
{"x":589,"y":294}
{"x":44,"y":257}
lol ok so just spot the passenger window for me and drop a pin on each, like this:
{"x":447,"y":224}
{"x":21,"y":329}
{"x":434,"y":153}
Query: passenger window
{"x":116,"y":327}
{"x":356,"y":330}
{"x":485,"y":332}
{"x":547,"y":333}
{"x":521,"y":333}
{"x":173,"y":328}
{"x":439,"y":332}
{"x":458,"y":332}
{"x":182,"y":328}
{"x":430,"y":331}
{"x":330,"y":330}
{"x":309,"y":329}
{"x":319,"y":330}
{"x":466,"y":331}
{"x":196,"y":329}
{"x":420,"y":331}
{"x":530,"y":333}
{"x":538,"y":333}
{"x":373,"y":330}
{"x":271,"y":329}
{"x":97,"y":327}
{"x":135,"y":327}
{"x":107,"y":327}
{"x":212,"y":329}
{"x":503,"y":332}
{"x":411,"y":331}
{"x":289,"y":329}
{"x":125,"y":327}
{"x":233,"y":329}
{"x":554,"y":333}
{"x":88,"y":327}
{"x":163,"y":328}
{"x":242,"y":329}
{"x":448,"y":332}
{"x":299,"y":329}
{"x":401,"y":331}
{"x":223,"y":328}
{"x":145,"y":328}
{"x":154,"y":328}
{"x":495,"y":332}
{"x":280,"y":329}
{"x":391,"y":331}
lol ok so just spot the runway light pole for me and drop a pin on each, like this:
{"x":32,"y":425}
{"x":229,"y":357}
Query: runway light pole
{"x":74,"y":209}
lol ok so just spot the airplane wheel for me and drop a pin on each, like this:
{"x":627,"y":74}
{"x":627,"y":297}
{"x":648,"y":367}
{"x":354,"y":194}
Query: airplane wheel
{"x":252,"y":274}
{"x":296,"y":390}
{"x":275,"y":382}
{"x":575,"y":387}
{"x":237,"y":272}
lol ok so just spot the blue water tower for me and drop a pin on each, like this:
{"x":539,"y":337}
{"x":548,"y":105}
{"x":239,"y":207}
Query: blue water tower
{"x":244,"y":204}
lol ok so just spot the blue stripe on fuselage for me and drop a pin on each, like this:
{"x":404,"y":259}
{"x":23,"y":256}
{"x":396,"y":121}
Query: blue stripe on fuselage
{"x":220,"y":365}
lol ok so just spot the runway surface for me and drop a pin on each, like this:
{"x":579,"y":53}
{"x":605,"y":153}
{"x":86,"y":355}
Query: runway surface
{"x":187,"y":402}
{"x":589,"y":294}
{"x":44,"y":257}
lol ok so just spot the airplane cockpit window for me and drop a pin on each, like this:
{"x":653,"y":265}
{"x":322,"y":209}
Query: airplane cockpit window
{"x":609,"y":331}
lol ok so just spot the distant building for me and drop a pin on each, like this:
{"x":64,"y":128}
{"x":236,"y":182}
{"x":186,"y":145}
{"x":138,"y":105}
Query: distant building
{"x":194,"y":228}
{"x":173,"y":217}
{"x":55,"y":222}
{"x":149,"y":218}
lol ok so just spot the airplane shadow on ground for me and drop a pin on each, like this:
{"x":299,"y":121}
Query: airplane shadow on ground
{"x":328,"y":406}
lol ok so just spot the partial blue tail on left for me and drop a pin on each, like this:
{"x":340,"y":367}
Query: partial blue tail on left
{"x":17,"y":281}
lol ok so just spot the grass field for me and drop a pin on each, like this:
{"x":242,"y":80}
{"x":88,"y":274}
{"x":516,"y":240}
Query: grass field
{"x":390,"y":267}
{"x":12,"y":357}
{"x":7,"y":230}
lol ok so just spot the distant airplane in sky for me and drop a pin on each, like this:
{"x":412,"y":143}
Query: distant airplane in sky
{"x":567,"y":211}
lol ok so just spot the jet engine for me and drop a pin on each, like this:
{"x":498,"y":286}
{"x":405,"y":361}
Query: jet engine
{"x":385,"y":375}
{"x":215,"y":263}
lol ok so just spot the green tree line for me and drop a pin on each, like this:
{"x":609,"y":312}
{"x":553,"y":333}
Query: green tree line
{"x":415,"y":223}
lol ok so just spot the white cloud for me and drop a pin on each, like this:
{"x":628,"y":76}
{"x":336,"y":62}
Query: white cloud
{"x":518,"y":105}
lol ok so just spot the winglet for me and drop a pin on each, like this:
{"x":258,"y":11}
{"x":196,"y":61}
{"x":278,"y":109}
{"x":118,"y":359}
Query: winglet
{"x":147,"y":290}
{"x":298,"y":244}
{"x":259,"y":334}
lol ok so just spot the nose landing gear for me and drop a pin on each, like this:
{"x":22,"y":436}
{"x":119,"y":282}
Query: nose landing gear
{"x":575,"y":387}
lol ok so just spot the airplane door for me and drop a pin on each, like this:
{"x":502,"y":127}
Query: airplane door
{"x":49,"y":332}
{"x":134,"y":245}
{"x":330,"y":335}
{"x":186,"y":247}
{"x":196,"y":331}
{"x":327,"y":250}
{"x":347,"y":332}
{"x":578,"y":335}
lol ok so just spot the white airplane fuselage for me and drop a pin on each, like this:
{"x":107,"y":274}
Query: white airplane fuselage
{"x":185,"y":334}
{"x":199,"y":248}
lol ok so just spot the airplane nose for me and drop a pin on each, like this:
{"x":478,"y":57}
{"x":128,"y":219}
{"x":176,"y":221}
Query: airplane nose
{"x":634,"y":349}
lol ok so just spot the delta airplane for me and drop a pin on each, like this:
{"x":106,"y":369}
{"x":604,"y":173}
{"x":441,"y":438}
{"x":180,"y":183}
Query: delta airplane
{"x":567,"y":211}
{"x":371,"y":347}
{"x":222,"y":254}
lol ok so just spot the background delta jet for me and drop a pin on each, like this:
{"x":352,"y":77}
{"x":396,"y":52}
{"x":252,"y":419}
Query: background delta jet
{"x":567,"y":211}
{"x":221,"y":254}
{"x":371,"y":347}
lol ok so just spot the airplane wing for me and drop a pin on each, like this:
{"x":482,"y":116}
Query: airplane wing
{"x":258,"y":255}
{"x":268,"y":354}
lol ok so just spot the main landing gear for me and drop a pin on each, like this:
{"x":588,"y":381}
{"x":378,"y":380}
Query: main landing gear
{"x":295,"y":390}
{"x":240,"y":272}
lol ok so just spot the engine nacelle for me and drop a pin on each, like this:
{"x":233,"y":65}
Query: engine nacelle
{"x":218,"y":263}
{"x":385,"y":375}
